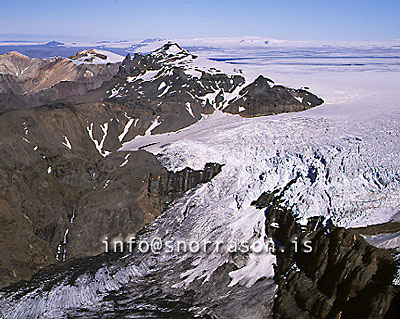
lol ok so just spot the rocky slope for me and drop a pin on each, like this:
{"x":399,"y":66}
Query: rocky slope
{"x":338,"y":276}
{"x":58,"y":193}
{"x":28,"y":82}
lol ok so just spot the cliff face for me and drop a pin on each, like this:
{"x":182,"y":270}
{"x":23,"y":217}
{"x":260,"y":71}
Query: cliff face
{"x":341,"y":277}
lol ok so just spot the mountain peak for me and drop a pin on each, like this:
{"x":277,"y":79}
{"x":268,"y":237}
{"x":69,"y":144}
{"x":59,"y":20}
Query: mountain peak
{"x":15,"y":54}
{"x":53,"y":44}
{"x":171,"y":49}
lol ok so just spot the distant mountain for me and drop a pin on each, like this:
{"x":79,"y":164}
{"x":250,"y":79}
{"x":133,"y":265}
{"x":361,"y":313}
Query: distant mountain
{"x":53,"y":44}
{"x":96,"y":56}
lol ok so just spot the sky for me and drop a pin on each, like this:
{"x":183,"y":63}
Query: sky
{"x":131,"y":19}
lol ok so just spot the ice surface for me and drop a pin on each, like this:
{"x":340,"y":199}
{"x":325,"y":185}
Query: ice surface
{"x":254,"y":270}
{"x":385,"y":240}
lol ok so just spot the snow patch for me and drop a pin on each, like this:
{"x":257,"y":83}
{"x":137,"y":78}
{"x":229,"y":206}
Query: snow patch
{"x":67,"y":143}
{"x":126,"y":129}
{"x":165,"y":91}
{"x":97,"y":144}
{"x":162,"y":85}
{"x":259,"y":266}
{"x":299,"y":98}
{"x":189,"y":109}
{"x":126,"y":160}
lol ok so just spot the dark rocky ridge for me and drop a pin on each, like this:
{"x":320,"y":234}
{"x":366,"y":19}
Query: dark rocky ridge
{"x":263,"y":98}
{"x":343,"y":276}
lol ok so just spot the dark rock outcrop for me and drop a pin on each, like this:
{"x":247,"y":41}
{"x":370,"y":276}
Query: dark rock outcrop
{"x":325,"y":271}
{"x":262,"y":97}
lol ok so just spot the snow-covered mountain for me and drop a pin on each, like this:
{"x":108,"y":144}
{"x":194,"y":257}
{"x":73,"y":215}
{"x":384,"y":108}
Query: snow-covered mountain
{"x":179,"y":87}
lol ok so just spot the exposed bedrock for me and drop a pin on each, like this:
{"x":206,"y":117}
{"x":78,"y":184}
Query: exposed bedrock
{"x":29,"y":82}
{"x":342,"y":277}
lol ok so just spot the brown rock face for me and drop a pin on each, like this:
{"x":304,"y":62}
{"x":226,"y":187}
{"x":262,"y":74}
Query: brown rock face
{"x":29,"y":82}
{"x":341,"y":277}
